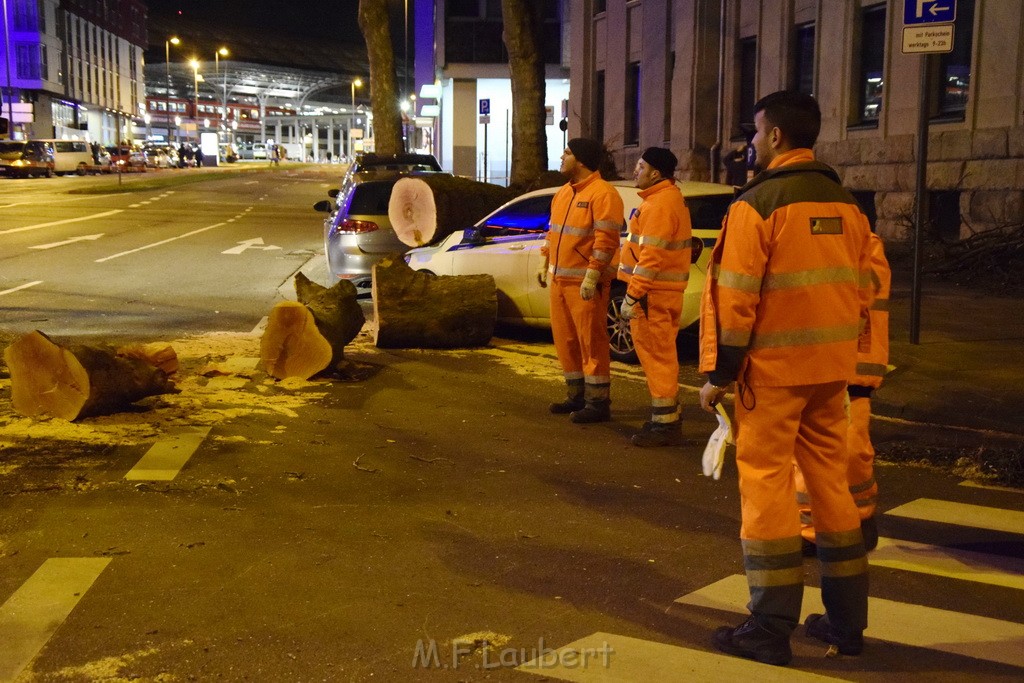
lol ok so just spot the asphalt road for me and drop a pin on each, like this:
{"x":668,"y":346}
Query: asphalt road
{"x":426,"y":520}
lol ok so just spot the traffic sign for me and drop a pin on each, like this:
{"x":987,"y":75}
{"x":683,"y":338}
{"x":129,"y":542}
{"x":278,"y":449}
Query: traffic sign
{"x":928,"y":12}
{"x":485,"y":107}
{"x":927,"y":39}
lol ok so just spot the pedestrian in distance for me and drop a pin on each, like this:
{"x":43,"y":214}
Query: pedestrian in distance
{"x":199,"y":157}
{"x":871,"y":368}
{"x":785,"y":300}
{"x":581,"y":254}
{"x":655,"y":265}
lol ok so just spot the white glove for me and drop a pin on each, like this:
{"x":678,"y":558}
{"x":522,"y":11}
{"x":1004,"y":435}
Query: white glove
{"x":627,"y":310}
{"x":542,"y":275}
{"x":588,"y":288}
{"x":714,"y":452}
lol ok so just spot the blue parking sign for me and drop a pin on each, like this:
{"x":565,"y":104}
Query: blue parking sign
{"x":928,"y":12}
{"x":485,"y":107}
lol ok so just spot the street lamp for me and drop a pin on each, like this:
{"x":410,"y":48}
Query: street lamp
{"x":221,"y":52}
{"x":357,"y":83}
{"x":173,"y":40}
{"x":194,"y":63}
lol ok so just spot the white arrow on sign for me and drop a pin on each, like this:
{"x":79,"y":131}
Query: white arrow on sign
{"x":250,"y":244}
{"x":51,"y":245}
{"x":935,"y":9}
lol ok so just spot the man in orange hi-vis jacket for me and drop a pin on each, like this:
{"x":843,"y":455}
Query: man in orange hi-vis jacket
{"x":871,"y":368}
{"x":581,"y":256}
{"x":655,"y":264}
{"x":783,"y":315}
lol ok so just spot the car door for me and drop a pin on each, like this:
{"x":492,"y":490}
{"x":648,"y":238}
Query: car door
{"x":508,"y":247}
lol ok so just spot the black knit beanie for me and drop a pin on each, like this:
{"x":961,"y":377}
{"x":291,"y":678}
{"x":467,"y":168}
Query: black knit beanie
{"x":661,"y":159}
{"x":588,"y":152}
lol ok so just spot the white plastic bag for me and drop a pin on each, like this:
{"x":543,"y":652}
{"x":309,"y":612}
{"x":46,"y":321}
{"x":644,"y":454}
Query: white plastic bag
{"x":714,"y":452}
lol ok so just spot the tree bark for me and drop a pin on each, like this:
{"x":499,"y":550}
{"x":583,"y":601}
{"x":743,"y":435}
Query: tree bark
{"x":77,"y":381}
{"x":374,"y":23}
{"x":291,"y":345}
{"x":336,"y":312}
{"x":522,"y":34}
{"x":414,"y":309}
{"x":428,"y":208}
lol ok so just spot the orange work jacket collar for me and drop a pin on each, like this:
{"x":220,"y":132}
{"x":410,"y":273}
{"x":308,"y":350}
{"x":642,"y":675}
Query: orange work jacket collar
{"x":657,"y":187}
{"x":577,"y":187}
{"x":793,"y":156}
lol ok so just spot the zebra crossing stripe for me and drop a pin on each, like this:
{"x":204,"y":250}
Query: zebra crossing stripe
{"x":962,"y":514}
{"x":40,"y":606}
{"x":957,"y":633}
{"x":965,"y":565}
{"x":633,"y":659}
{"x":165,"y":458}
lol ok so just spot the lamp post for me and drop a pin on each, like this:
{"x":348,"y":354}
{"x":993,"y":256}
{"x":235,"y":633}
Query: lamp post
{"x":357,"y":83}
{"x":173,"y":40}
{"x":222,"y":125}
{"x":194,"y":63}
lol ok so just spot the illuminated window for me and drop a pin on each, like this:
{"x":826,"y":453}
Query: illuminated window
{"x":872,"y":60}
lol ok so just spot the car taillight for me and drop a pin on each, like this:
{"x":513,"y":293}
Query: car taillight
{"x":351,"y":227}
{"x":696,"y":249}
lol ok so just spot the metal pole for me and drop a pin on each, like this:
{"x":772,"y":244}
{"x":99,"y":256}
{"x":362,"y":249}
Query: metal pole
{"x":10,"y":90}
{"x":920,"y":204}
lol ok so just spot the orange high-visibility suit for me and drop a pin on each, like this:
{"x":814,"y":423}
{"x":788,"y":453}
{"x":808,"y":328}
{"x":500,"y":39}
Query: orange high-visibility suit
{"x":586,"y":222}
{"x":655,"y":263}
{"x":871,"y":368}
{"x":781,"y":314}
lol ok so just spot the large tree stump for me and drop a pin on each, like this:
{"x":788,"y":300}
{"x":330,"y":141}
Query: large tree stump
{"x":291,"y":345}
{"x":77,"y":381}
{"x":415,"y":309}
{"x":428,"y":208}
{"x":336,"y":312}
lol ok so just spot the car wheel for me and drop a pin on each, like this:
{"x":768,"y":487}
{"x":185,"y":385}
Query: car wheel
{"x":81,"y":169}
{"x":620,"y":338}
{"x":49,"y":172}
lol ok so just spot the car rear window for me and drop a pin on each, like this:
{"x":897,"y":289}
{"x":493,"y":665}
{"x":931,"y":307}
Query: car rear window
{"x":707,"y":211}
{"x":370,"y":199}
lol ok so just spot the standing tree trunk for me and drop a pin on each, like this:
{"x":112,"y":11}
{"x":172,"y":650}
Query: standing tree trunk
{"x":374,"y":22}
{"x":522,"y":35}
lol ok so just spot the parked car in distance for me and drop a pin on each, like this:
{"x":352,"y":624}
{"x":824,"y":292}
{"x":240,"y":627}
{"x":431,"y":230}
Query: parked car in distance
{"x":506,"y":244}
{"x":358,"y":232}
{"x":161,"y":156}
{"x":24,"y":158}
{"x":259,"y":150}
{"x":123,"y":156}
{"x":70,"y":156}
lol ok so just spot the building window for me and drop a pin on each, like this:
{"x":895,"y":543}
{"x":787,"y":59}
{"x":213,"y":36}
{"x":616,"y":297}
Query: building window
{"x":669,"y":74}
{"x":631,"y":131}
{"x":464,"y":8}
{"x":747,"y":81}
{"x":597,"y":107}
{"x":955,"y":67}
{"x":803,"y":59}
{"x":599,"y":6}
{"x":872,"y":60}
{"x":25,"y":16}
{"x":27,"y":58}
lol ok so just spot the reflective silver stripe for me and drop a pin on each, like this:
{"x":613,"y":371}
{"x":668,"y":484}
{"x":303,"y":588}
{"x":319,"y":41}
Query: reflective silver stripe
{"x":876,"y":281}
{"x":880,"y":305}
{"x":568,"y":272}
{"x":871,"y":369}
{"x":614,"y":226}
{"x":667,"y":419}
{"x":662,"y":402}
{"x":777,"y":546}
{"x":838,"y":539}
{"x":628,"y":270}
{"x":866,"y":502}
{"x":575,"y":232}
{"x":600,"y":380}
{"x":803,"y":497}
{"x":803,"y":337}
{"x":734,"y":280}
{"x":734,"y":338}
{"x":665,"y":244}
{"x":866,"y":277}
{"x":661,"y":275}
{"x":633,"y":237}
{"x":845,"y":568}
{"x":573,"y":377}
{"x":602,"y":256}
{"x":804,"y":278}
{"x":863,"y":486}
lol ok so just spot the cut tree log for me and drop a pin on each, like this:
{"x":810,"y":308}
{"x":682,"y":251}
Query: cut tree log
{"x":291,"y":345}
{"x":158,"y":354}
{"x":415,"y":309}
{"x":77,"y":381}
{"x":336,"y":312}
{"x":428,"y":208}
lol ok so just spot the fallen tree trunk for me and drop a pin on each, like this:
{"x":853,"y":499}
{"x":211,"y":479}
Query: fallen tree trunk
{"x":336,"y":312}
{"x":428,"y":208}
{"x":77,"y":381}
{"x":414,"y":309}
{"x":291,"y":345}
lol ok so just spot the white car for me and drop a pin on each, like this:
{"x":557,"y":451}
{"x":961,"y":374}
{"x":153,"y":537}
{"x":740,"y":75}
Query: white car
{"x":506,"y":244}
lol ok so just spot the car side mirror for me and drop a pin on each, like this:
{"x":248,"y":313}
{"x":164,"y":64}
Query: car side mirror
{"x":324,"y":206}
{"x":333,"y":193}
{"x":474,"y":236}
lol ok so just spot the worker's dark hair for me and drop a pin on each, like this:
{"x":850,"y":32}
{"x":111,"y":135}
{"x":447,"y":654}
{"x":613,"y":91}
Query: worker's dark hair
{"x":797,"y":115}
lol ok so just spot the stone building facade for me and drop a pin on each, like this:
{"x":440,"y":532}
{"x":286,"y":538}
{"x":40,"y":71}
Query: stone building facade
{"x":685,"y":74}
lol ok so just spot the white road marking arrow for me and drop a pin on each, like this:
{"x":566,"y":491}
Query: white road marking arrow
{"x":70,"y":241}
{"x":250,"y":244}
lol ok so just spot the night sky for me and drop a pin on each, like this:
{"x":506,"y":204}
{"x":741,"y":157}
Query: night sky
{"x":329,"y":19}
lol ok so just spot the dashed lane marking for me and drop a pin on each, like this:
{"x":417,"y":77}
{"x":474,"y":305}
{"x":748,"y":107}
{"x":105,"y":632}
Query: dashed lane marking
{"x":961,"y":514}
{"x":991,"y":487}
{"x":36,"y":610}
{"x":957,"y":633}
{"x":20,"y":287}
{"x":605,"y":657}
{"x":966,"y":565}
{"x":165,"y":458}
{"x":157,"y":244}
{"x":37,"y":226}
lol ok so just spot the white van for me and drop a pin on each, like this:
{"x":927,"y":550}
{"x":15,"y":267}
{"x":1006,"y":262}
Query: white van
{"x":71,"y":156}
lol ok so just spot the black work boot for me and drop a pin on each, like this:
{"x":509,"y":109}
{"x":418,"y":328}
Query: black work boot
{"x":654,"y":434}
{"x":593,"y":411}
{"x":573,"y":399}
{"x":753,"y":641}
{"x":818,"y":626}
{"x":869,"y":529}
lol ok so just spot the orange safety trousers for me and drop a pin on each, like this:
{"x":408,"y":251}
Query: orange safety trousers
{"x":654,"y":337}
{"x":775,"y":426}
{"x":860,"y":469}
{"x":580,"y":331}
